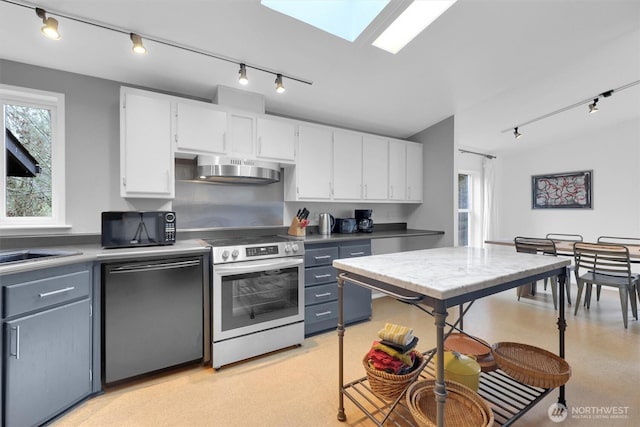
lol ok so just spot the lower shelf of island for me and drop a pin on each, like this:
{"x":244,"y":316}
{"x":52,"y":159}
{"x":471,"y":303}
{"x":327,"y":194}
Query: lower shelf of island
{"x":508,"y":398}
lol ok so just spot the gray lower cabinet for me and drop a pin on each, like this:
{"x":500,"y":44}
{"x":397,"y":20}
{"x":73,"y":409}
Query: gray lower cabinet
{"x":46,"y":343}
{"x":321,"y":287}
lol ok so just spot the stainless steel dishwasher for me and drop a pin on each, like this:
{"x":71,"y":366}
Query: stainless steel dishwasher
{"x":153,"y":315}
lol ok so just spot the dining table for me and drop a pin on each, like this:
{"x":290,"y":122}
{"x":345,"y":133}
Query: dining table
{"x":439,"y":279}
{"x":565,"y":247}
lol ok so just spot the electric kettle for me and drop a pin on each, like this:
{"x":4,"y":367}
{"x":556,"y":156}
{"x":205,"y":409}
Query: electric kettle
{"x":325,"y":223}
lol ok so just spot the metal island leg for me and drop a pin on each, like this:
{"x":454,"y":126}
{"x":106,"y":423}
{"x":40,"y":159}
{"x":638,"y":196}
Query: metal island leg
{"x":440,"y":315}
{"x":341,"y":415}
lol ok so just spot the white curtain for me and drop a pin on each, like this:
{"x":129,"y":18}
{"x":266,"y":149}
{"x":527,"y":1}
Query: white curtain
{"x":489,"y":210}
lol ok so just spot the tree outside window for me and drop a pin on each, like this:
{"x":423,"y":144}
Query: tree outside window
{"x":31,"y":195}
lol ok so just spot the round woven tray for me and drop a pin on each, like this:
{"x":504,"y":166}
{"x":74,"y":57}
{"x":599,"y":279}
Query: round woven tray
{"x":463,"y":407}
{"x":466,"y":345}
{"x":390,"y":385}
{"x":531,"y":365}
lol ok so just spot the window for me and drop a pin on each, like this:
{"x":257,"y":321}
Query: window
{"x":464,"y":209}
{"x":32,"y":161}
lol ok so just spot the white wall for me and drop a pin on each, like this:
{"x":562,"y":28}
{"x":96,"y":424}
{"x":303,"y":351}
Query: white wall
{"x":614,"y":156}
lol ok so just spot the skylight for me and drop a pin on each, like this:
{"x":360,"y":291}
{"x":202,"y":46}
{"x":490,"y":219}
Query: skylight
{"x":410,"y":23}
{"x":343,"y":18}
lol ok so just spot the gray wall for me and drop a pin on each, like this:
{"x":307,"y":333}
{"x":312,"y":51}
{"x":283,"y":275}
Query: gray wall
{"x":437,"y":210}
{"x":92,"y":138}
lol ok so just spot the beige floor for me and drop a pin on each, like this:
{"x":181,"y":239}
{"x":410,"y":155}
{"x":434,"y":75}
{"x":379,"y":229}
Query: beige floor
{"x":299,"y":386}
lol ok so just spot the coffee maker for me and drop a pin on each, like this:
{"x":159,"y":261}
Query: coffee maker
{"x":363,"y":220}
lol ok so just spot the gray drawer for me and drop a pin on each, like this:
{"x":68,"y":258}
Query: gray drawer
{"x":321,"y":293}
{"x":318,"y":275}
{"x":42,"y":293}
{"x":320,"y":317}
{"x":320,"y":256}
{"x":355,"y":251}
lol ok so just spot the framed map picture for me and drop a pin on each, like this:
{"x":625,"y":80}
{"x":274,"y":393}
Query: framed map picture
{"x":569,"y":190}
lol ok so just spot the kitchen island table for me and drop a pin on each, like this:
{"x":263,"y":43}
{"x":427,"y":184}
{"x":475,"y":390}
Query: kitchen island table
{"x":438,"y":279}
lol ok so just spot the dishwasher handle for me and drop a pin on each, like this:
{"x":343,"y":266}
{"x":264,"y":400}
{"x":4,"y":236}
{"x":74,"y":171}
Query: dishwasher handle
{"x":169,"y":265}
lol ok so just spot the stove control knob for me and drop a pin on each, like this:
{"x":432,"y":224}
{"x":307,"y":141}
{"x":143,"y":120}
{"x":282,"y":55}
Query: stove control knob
{"x":287,"y":248}
{"x":225,"y":254}
{"x":294,"y":247}
{"x":235,"y":254}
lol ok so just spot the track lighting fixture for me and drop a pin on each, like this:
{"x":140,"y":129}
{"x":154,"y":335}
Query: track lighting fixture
{"x":279,"y":86}
{"x":138,"y":47}
{"x":516,"y":134}
{"x":592,"y":107}
{"x":50,"y":27}
{"x":242,"y":79}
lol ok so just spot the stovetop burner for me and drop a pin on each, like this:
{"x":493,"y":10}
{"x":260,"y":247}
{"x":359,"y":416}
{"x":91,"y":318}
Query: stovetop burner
{"x":246,"y":248}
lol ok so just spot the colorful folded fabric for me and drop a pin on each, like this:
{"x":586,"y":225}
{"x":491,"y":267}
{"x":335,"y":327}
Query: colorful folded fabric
{"x":404,"y":358}
{"x":398,"y":334}
{"x":381,"y":361}
{"x":401,"y":348}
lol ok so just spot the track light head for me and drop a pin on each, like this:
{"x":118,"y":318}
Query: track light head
{"x":516,"y":134}
{"x":137,"y":47}
{"x":242,"y":79}
{"x":592,"y":107}
{"x":50,"y":27}
{"x":279,"y":86}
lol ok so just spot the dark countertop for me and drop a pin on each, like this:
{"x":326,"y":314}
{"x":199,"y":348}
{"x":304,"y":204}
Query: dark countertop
{"x":313,"y":236}
{"x":189,"y":243}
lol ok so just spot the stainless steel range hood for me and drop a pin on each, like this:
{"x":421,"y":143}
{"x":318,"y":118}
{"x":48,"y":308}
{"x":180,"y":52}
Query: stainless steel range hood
{"x":228,"y":170}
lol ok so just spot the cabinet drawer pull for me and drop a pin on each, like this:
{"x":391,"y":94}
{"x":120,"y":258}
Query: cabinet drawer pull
{"x":324,"y":313}
{"x":17,"y":334}
{"x":322,"y":257}
{"x":59,"y":291}
{"x":321,"y":276}
{"x":356,"y":253}
{"x":326,"y":294}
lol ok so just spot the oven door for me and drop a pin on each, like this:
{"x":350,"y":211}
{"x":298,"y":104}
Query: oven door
{"x":253,"y":296}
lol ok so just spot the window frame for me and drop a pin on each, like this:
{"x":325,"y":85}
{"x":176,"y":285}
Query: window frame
{"x":55,"y":102}
{"x":469,"y":209}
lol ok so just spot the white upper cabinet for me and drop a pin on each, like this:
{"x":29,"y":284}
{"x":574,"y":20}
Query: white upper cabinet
{"x":347,"y":165}
{"x":375,"y":168}
{"x":241,"y":129}
{"x":310,"y":179}
{"x":146,"y":155}
{"x":200,"y":128}
{"x":414,"y":172}
{"x":276,"y":140}
{"x":397,"y":170}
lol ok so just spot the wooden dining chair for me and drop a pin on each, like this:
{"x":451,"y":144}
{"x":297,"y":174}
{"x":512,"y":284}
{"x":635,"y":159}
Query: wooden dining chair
{"x":624,"y":241}
{"x":533,"y":245}
{"x":605,"y":264}
{"x":564,"y":237}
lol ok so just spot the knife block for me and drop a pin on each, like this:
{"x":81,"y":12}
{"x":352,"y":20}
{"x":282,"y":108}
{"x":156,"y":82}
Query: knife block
{"x":296,"y":229}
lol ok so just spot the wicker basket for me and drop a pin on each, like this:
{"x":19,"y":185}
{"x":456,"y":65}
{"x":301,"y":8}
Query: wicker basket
{"x":463,"y":406}
{"x":389,"y":385}
{"x":531,"y":365}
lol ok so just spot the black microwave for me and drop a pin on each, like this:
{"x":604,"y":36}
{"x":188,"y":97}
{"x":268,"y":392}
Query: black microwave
{"x":126,"y":229}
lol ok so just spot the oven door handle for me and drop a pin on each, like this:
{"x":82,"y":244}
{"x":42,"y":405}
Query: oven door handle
{"x":253,"y":267}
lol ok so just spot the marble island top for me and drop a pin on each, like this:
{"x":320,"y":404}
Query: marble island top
{"x":444,"y":273}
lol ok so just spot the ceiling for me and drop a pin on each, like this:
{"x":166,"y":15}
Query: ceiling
{"x":493,"y":64}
